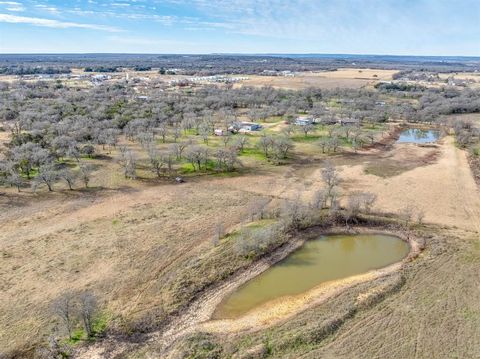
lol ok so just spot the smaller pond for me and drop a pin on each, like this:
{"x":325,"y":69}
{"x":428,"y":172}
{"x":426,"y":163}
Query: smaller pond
{"x":321,"y":260}
{"x":415,"y":135}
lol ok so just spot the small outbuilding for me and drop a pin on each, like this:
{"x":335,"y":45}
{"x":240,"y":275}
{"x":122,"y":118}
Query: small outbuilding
{"x":303,"y":120}
{"x":250,"y":126}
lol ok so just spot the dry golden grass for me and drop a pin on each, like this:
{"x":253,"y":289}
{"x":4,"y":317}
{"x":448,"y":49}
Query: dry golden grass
{"x":4,"y":138}
{"x":419,"y":312}
{"x":127,"y":240}
{"x":342,"y":78}
{"x":118,"y":244}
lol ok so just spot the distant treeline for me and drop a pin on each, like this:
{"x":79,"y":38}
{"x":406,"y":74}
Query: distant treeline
{"x":101,"y":69}
{"x":393,"y":86}
{"x":234,"y":64}
{"x":37,"y":70}
{"x":114,"y":68}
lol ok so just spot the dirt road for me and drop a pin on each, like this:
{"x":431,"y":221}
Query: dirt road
{"x":445,"y":191}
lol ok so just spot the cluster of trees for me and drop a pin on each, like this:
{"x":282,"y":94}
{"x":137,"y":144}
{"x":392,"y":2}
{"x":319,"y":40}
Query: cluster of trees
{"x":101,"y":69}
{"x":36,"y":70}
{"x":399,"y":86}
{"x":142,"y":68}
{"x":52,"y":124}
{"x":253,"y":242}
{"x":448,"y":101}
{"x":27,"y":161}
{"x":275,"y":147}
{"x":466,"y":133}
{"x":432,"y":102}
{"x":417,"y":75}
{"x":295,"y":214}
{"x":77,"y":310}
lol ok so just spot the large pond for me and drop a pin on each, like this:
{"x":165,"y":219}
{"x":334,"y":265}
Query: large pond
{"x":321,"y":260}
{"x":415,"y":135}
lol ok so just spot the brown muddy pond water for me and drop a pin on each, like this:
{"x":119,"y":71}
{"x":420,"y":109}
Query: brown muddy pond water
{"x":327,"y":258}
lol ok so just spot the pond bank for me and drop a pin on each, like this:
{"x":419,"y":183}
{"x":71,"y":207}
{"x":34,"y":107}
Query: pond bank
{"x":286,"y":307}
{"x":198,"y":315}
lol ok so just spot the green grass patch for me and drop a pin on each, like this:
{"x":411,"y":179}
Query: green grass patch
{"x":190,"y":132}
{"x":373,"y":126}
{"x":187,"y":167}
{"x":33,"y":174}
{"x":99,"y":326}
{"x":261,"y":223}
{"x":310,"y":138}
{"x":77,"y":335}
{"x":476,"y":151}
{"x":344,"y":142}
{"x":253,"y":153}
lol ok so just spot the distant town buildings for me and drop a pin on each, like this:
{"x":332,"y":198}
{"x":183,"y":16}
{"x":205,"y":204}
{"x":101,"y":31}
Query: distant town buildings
{"x":277,"y":73}
{"x":208,"y":79}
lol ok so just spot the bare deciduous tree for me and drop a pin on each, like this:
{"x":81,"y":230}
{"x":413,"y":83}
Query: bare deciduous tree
{"x":205,"y":131}
{"x":88,"y":311}
{"x":282,"y":146}
{"x":197,"y":156}
{"x":319,"y":199}
{"x":177,"y":132}
{"x":68,"y":176}
{"x":257,"y":208}
{"x":334,"y":143}
{"x":323,"y":143}
{"x":406,"y":213}
{"x":353,"y":207}
{"x":240,"y":143}
{"x":265,"y":143}
{"x":163,"y":131}
{"x":331,"y":179}
{"x":218,"y":234}
{"x":48,"y":174}
{"x":306,"y":129}
{"x":85,"y":173}
{"x":289,"y":130}
{"x":64,"y":307}
{"x":178,"y":148}
{"x":156,"y":160}
{"x":128,"y":160}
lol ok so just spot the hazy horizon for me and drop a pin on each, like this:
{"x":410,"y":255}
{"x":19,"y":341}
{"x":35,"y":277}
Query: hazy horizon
{"x":398,"y":28}
{"x":273,"y":54}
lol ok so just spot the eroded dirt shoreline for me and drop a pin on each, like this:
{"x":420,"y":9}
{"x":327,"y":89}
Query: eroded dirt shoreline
{"x":199,"y":313}
{"x":288,"y":306}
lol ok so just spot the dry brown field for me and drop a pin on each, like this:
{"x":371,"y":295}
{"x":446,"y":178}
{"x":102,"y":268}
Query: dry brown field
{"x":342,"y":78}
{"x":441,"y":280}
{"x":126,"y":239}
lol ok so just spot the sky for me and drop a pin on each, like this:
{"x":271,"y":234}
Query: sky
{"x":395,"y":27}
